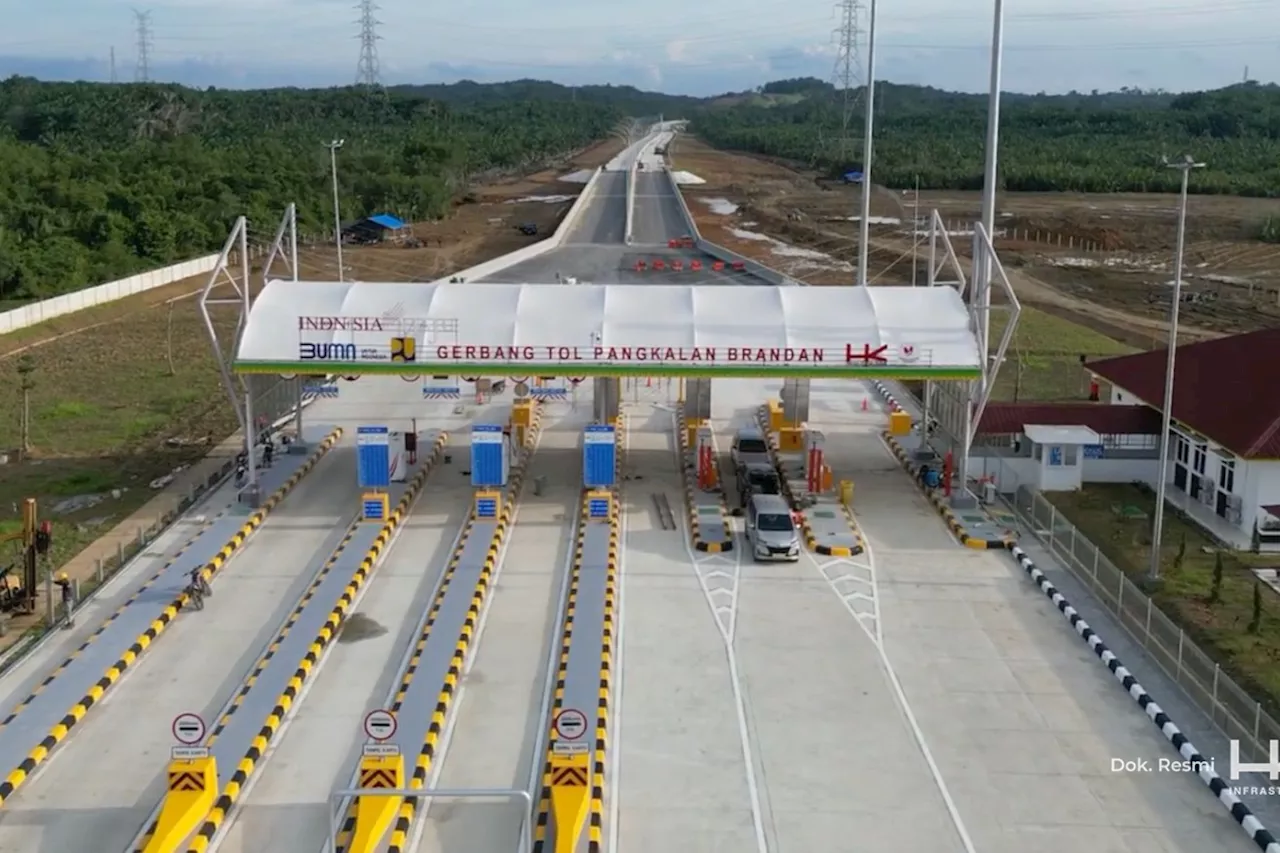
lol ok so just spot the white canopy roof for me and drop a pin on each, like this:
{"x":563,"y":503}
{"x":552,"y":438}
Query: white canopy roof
{"x":566,"y":329}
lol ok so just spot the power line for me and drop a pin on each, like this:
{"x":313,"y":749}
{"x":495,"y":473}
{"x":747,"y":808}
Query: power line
{"x":847,"y":67}
{"x":368,"y":71}
{"x":142,"y":73}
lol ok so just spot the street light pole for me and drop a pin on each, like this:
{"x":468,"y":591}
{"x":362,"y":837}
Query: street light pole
{"x":982,"y":260}
{"x":337,"y":213}
{"x":1157,"y":528}
{"x":864,"y":227}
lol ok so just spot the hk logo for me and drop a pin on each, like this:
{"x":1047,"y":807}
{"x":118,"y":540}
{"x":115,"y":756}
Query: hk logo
{"x":867,"y":356}
{"x":908,"y":352}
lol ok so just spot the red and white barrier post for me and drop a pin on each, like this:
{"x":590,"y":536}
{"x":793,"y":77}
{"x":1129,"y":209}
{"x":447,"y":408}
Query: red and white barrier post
{"x":706,"y":459}
{"x":814,"y":461}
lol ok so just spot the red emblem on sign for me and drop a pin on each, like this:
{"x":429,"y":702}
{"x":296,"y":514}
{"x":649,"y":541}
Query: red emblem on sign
{"x":908,"y":352}
{"x":868,"y":355}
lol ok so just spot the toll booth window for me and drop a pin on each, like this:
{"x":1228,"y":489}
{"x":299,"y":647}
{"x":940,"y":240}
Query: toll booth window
{"x":775,"y":522}
{"x":752,"y":445}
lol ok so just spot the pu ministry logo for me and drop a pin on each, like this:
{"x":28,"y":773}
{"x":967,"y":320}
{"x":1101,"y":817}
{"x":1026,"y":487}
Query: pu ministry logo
{"x":403,"y":350}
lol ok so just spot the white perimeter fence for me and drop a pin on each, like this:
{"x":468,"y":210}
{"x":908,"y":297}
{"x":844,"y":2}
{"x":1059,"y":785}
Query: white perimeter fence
{"x":1228,"y":704}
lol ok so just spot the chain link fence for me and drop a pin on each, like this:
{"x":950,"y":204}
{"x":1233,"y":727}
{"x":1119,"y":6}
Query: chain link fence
{"x":1232,"y":710}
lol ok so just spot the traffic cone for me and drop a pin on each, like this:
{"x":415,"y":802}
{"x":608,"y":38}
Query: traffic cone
{"x":864,"y":404}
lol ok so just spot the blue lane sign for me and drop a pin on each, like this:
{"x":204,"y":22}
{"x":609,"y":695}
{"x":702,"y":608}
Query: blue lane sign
{"x":488,"y":456}
{"x":373,"y":509}
{"x":599,"y":456}
{"x":373,"y":456}
{"x":486,"y":508}
{"x":598,"y":508}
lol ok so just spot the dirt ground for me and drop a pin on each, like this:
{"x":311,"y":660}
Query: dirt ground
{"x":1102,"y":261}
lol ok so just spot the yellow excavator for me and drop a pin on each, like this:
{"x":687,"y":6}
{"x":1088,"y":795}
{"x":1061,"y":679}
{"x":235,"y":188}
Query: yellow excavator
{"x":33,"y":538}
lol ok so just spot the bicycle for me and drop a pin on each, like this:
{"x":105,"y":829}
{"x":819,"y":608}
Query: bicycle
{"x":198,"y":589}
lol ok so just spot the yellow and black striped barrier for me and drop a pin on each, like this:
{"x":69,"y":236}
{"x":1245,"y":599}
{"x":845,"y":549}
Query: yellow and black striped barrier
{"x":1002,"y":542}
{"x":690,"y":498}
{"x":59,"y":732}
{"x":573,"y":784}
{"x":234,"y":787}
{"x":407,"y":808}
{"x":179,"y":816}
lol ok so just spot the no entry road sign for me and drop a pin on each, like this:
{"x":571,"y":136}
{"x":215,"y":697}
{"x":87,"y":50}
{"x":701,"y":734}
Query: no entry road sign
{"x":380,"y":724}
{"x":188,"y":729}
{"x":571,"y":724}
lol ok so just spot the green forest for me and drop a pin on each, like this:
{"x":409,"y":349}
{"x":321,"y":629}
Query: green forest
{"x":100,"y":181}
{"x":1098,"y":142}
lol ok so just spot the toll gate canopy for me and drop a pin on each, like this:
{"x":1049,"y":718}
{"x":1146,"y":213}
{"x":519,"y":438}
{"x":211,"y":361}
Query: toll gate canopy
{"x":518,"y":330}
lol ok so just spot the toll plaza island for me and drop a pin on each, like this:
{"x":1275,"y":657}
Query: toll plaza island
{"x":597,"y":568}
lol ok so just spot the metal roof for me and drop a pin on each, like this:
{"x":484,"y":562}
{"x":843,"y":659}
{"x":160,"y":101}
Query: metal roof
{"x":1224,"y":388}
{"x":597,"y":329}
{"x":1104,"y":419}
{"x":386,"y":220}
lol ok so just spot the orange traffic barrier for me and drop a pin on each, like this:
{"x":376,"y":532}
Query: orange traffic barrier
{"x":739,"y":266}
{"x":673,"y":243}
{"x":640,"y":265}
{"x":695,"y":265}
{"x":677,"y":265}
{"x":717,"y":265}
{"x":659,"y":264}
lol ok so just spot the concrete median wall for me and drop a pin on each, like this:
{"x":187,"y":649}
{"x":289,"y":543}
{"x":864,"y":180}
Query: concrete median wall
{"x":719,"y":252}
{"x":567,"y":224}
{"x":69,"y":303}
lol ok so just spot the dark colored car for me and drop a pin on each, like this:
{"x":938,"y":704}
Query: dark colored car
{"x":757,"y":478}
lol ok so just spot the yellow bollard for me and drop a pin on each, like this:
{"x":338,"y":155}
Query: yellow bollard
{"x":846,"y":492}
{"x":193,"y":787}
{"x":570,"y":797}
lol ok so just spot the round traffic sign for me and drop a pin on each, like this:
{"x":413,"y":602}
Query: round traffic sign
{"x":411,"y":377}
{"x":571,"y":724}
{"x":521,"y":389}
{"x":188,"y":729}
{"x":471,"y":379}
{"x":574,"y":380}
{"x":379,"y":724}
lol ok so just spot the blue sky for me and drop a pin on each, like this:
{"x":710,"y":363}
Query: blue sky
{"x":672,"y":45}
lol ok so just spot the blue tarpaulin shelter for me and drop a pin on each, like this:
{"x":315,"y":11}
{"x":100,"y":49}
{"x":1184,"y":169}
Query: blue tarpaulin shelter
{"x":376,"y":228}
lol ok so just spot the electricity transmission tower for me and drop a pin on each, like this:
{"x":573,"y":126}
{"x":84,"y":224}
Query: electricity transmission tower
{"x":846,"y":72}
{"x":142,"y":73}
{"x":368,"y":72}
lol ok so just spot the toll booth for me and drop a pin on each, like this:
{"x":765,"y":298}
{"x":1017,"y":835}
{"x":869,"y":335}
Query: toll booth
{"x":373,"y":470}
{"x":599,"y":456}
{"x":490,"y":456}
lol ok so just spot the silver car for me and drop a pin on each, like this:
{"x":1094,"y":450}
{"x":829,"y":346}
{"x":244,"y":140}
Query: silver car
{"x":771,"y":530}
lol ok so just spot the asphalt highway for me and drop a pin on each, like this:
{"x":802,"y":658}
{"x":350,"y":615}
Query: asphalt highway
{"x":594,"y":251}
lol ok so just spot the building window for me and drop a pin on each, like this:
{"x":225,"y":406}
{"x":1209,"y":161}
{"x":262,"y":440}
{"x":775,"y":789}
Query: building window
{"x":1227,"y":476}
{"x":1182,"y":450}
{"x":1200,"y":457}
{"x":1131,"y":442}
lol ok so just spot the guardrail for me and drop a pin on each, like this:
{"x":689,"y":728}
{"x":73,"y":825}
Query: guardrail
{"x":1238,"y":715}
{"x":715,"y":250}
{"x":541,"y":247}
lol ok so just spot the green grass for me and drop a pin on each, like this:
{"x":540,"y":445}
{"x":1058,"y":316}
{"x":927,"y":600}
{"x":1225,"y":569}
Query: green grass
{"x":1183,"y":592}
{"x":103,"y":406}
{"x":1043,"y":360}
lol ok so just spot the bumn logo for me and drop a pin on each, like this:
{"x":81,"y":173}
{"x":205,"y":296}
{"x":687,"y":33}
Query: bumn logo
{"x":327,"y":352}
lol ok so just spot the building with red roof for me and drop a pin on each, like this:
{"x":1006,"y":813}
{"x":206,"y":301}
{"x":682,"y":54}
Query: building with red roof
{"x":1225,"y":445}
{"x":1225,"y":448}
